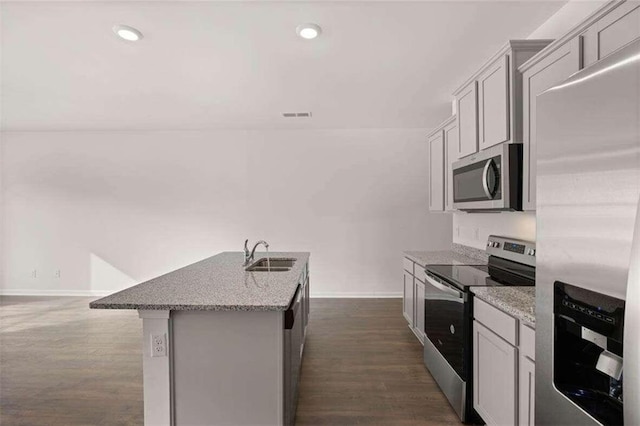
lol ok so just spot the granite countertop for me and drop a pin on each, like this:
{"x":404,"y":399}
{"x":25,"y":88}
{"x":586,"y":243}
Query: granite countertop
{"x":519,"y":302}
{"x":218,"y":283}
{"x":457,"y":256}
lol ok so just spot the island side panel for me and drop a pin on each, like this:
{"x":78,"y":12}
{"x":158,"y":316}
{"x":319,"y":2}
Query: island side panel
{"x":156,"y":369}
{"x":227,"y":367}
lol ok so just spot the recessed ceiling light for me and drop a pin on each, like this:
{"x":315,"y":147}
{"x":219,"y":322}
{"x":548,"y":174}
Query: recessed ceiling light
{"x":308,"y":31}
{"x":127,"y":33}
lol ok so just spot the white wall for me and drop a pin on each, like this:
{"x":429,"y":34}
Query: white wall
{"x":473,"y":229}
{"x":110,"y":209}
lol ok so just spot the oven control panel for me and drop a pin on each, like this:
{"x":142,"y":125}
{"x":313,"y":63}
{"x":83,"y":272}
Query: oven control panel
{"x":512,"y":249}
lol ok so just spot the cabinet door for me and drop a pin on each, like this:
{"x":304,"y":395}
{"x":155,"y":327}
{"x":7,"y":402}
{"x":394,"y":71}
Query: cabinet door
{"x":551,"y":70}
{"x":494,"y":374}
{"x":436,"y":172}
{"x":408,"y":299}
{"x":467,"y":120}
{"x":419,"y":310}
{"x":450,"y":155}
{"x":616,"y":29}
{"x":493,"y":104}
{"x":526,"y":392}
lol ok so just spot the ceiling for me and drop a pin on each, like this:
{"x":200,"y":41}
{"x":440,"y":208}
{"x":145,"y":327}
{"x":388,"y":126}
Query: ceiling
{"x":240,"y":65}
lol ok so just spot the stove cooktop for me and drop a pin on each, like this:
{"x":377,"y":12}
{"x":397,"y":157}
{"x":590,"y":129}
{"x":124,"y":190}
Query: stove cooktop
{"x":466,"y":276}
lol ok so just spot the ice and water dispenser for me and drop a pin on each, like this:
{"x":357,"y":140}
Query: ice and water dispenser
{"x":588,"y":331}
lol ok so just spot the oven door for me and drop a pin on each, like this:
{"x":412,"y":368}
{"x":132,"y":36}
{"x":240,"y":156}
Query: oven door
{"x":445,"y":321}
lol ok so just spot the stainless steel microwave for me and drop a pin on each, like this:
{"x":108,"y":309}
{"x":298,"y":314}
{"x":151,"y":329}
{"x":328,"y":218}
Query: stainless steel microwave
{"x":489,"y":180}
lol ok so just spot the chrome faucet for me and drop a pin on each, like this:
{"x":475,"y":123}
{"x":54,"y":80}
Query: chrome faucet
{"x":248,"y":256}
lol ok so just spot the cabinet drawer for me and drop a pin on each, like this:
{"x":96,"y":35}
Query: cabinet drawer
{"x":408,"y":265}
{"x":495,"y":320}
{"x":528,"y":342}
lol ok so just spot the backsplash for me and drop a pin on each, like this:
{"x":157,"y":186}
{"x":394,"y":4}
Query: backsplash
{"x":473,"y":229}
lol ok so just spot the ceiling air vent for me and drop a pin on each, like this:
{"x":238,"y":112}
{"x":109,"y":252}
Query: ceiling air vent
{"x":296,"y":114}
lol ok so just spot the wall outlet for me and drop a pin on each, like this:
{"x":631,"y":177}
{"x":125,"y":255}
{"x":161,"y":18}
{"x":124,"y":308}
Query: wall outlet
{"x":476,"y":234}
{"x":58,"y":274}
{"x":34,"y":273}
{"x":158,"y":345}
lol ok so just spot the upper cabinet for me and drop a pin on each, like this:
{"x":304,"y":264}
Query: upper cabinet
{"x":619,"y":27}
{"x":610,"y":28}
{"x":493,"y":104}
{"x":489,"y":104}
{"x":436,"y":171}
{"x":538,"y":77}
{"x":450,"y":155}
{"x":467,"y":119}
{"x":443,"y":151}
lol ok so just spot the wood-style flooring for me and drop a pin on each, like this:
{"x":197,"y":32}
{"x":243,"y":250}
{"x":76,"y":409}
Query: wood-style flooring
{"x":64,"y":364}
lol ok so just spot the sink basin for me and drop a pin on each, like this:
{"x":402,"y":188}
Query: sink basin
{"x":277,"y":264}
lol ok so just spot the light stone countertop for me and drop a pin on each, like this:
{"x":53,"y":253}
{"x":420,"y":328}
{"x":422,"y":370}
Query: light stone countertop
{"x":519,"y":302}
{"x":218,"y":283}
{"x":446,"y":257}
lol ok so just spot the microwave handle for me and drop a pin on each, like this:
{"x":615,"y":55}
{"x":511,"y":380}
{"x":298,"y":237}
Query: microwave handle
{"x":485,"y":178}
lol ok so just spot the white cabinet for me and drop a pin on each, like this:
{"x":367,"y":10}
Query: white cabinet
{"x":503,"y":367}
{"x":526,"y":392}
{"x":495,"y":364}
{"x":493,"y":104}
{"x":467,"y":119}
{"x":489,"y":103}
{"x":619,"y":27}
{"x":436,"y":171}
{"x":450,"y":156}
{"x":419,"y":310}
{"x":413,"y":297}
{"x":536,"y":78}
{"x":408,"y":298}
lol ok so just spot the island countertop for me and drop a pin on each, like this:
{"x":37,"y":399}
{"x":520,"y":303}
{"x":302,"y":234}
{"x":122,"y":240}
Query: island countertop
{"x":218,"y":283}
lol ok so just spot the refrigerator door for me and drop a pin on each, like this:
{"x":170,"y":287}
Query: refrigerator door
{"x":631,"y":361}
{"x":588,"y":187}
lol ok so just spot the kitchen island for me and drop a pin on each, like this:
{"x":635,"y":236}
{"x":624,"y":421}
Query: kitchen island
{"x":221,"y":345}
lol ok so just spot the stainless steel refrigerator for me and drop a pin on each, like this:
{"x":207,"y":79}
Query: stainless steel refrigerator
{"x":588,"y":246}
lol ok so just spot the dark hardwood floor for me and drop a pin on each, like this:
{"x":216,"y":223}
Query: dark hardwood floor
{"x":64,"y":364}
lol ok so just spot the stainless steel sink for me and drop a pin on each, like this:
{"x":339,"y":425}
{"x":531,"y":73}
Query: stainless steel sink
{"x":274,"y":264}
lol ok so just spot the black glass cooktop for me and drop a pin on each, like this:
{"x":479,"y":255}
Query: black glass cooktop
{"x":494,"y":274}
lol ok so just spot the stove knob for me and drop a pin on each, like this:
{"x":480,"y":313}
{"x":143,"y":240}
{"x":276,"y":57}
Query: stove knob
{"x":532,"y":252}
{"x":496,"y":244}
{"x":489,"y":244}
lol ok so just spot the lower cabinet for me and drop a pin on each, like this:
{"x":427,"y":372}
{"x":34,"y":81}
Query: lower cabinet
{"x":418,"y":326}
{"x":408,"y":298}
{"x":296,"y":320}
{"x":503,"y":367}
{"x":413,"y":297}
{"x":526,"y":391}
{"x":494,"y":383}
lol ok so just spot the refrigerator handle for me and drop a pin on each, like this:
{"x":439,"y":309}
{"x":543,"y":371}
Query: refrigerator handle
{"x":631,"y":358}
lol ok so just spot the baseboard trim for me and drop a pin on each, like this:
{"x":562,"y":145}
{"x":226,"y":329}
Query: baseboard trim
{"x":60,"y":293}
{"x":341,"y":295}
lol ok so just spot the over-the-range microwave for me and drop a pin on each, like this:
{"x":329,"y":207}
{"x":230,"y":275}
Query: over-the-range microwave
{"x":490,"y":180}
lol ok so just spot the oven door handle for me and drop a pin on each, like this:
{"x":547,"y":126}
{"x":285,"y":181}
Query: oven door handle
{"x":485,"y":179}
{"x":443,"y":287}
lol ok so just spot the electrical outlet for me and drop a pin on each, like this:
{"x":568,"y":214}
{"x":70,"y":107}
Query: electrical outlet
{"x":158,"y":345}
{"x":458,"y":231}
{"x":476,"y":234}
{"x":34,"y":273}
{"x":58,"y":274}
